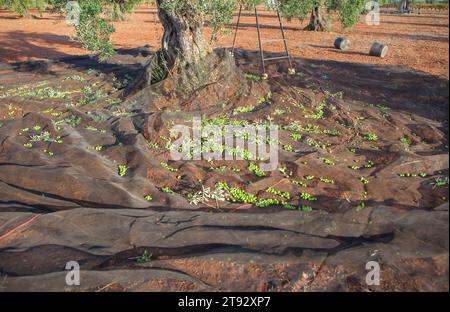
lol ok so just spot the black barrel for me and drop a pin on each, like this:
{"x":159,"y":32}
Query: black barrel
{"x":342,"y":44}
{"x":378,"y":50}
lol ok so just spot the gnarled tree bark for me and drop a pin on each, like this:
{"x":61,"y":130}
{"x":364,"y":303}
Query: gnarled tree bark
{"x":183,"y":43}
{"x":316,"y":22}
{"x":183,"y":40}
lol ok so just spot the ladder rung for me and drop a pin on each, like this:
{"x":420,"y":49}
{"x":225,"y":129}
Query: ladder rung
{"x":270,"y":40}
{"x":276,"y":58}
{"x":262,"y":25}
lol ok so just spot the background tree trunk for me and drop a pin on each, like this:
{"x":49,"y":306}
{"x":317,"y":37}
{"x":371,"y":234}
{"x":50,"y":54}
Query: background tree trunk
{"x":316,"y":22}
{"x":404,"y":6}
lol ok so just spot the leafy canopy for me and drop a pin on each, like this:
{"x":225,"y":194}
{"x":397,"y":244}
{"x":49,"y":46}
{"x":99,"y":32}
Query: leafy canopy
{"x":21,"y":6}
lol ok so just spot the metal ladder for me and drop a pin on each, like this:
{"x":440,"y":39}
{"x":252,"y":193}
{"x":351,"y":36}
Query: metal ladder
{"x":260,"y":41}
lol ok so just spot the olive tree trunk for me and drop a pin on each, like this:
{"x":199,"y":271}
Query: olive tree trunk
{"x":316,"y":22}
{"x":183,"y":40}
{"x":404,"y":6}
{"x":183,"y":43}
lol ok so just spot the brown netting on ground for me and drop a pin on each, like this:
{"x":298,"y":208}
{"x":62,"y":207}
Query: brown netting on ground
{"x":371,"y":148}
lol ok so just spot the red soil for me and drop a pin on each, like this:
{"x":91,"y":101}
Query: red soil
{"x":416,"y":41}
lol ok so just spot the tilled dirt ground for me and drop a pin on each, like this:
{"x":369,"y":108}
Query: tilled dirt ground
{"x":419,"y":41}
{"x":363,"y":176}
